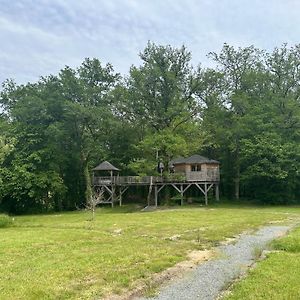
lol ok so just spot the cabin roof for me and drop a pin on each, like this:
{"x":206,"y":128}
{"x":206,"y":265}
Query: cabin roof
{"x":194,"y":159}
{"x":106,"y":166}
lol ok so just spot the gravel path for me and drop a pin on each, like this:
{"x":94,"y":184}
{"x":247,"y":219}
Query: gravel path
{"x":209,"y":279}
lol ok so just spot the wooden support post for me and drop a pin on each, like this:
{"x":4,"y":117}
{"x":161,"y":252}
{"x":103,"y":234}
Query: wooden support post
{"x":205,"y":190}
{"x":155,"y":195}
{"x":217,"y":192}
{"x":112,"y":196}
{"x":150,"y":190}
{"x":181,"y":194}
{"x":120,"y":196}
{"x":122,"y":191}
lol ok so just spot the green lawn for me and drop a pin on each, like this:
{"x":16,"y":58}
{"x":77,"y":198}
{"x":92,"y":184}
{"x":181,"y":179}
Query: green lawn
{"x":277,"y":277}
{"x":66,"y":256}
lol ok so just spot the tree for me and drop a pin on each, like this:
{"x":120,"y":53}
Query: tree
{"x":239,"y":68}
{"x":160,"y":102}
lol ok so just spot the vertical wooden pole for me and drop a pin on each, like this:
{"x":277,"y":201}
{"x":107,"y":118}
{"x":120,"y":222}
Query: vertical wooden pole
{"x":150,"y":190}
{"x":121,"y":196}
{"x":155,"y":195}
{"x":205,"y":190}
{"x":217,"y":192}
{"x":112,"y":195}
{"x":181,"y":194}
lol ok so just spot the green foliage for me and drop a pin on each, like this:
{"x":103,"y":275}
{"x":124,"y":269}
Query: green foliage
{"x":5,"y":221}
{"x":160,"y":91}
{"x":245,"y":113}
{"x":290,"y":243}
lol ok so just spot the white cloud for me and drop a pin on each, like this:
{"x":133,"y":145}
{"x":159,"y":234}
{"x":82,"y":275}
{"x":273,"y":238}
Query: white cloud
{"x":39,"y":37}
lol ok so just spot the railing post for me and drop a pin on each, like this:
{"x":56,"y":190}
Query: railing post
{"x":181,"y":194}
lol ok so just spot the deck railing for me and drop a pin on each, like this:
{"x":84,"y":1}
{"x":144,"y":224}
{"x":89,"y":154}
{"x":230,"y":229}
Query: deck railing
{"x":206,"y":176}
{"x":202,"y":176}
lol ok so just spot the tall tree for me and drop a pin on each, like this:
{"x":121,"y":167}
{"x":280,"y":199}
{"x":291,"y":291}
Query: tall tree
{"x":160,"y":99}
{"x":239,"y":67}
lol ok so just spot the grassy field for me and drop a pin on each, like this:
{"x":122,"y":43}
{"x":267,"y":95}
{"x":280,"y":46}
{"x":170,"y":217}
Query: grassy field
{"x":67,"y":256}
{"x":276,"y":277}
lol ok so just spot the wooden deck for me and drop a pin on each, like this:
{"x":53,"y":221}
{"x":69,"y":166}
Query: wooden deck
{"x":116,"y":186}
{"x":200,"y":177}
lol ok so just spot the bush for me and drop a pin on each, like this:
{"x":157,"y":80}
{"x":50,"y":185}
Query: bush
{"x":5,"y":221}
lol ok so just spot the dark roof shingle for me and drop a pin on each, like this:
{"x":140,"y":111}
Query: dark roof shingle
{"x":194,"y":159}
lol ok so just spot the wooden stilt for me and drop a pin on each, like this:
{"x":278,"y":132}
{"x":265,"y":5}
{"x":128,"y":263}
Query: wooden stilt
{"x":155,"y":195}
{"x":150,"y":190}
{"x":120,"y":202}
{"x":181,"y":194}
{"x":123,"y":189}
{"x":205,"y":194}
{"x":217,"y":192}
{"x":112,"y":195}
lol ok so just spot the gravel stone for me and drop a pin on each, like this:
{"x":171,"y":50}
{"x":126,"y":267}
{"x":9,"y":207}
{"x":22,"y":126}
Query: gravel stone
{"x":209,"y":279}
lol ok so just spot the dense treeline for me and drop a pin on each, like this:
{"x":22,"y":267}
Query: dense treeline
{"x":244,"y":112}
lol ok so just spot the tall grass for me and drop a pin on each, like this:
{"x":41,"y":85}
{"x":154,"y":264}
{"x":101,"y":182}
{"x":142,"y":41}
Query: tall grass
{"x":5,"y":221}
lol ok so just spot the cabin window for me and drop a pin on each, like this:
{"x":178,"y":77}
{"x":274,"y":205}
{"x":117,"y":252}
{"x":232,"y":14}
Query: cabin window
{"x":196,"y":168}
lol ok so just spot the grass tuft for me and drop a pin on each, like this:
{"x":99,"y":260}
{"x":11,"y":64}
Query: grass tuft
{"x":5,"y":221}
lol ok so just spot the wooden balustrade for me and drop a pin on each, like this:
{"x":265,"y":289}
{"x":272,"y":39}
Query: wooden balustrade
{"x":201,"y":176}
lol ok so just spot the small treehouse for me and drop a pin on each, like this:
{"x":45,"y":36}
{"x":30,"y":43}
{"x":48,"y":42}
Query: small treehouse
{"x":196,"y":170}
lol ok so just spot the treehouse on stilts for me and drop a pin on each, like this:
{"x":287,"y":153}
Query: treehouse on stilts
{"x":196,"y":170}
{"x":106,"y":184}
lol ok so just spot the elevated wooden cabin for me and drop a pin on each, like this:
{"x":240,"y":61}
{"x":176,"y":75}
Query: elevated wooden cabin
{"x":197,"y":168}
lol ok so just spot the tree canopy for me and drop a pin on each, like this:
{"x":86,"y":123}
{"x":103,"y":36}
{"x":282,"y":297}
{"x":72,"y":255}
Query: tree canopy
{"x":244,"y":112}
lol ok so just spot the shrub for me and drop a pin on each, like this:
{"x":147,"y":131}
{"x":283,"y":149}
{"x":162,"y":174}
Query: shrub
{"x":5,"y":221}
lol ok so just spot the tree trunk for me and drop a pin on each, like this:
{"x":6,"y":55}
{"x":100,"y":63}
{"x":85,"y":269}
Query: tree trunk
{"x":237,"y":173}
{"x":87,"y":179}
{"x":237,"y":183}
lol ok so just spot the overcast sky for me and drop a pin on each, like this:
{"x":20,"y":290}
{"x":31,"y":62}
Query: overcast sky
{"x":39,"y":37}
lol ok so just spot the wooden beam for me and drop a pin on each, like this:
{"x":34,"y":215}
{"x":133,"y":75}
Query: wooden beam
{"x":113,"y":194}
{"x":187,"y":188}
{"x":107,"y":188}
{"x":205,"y":189}
{"x":200,"y":188}
{"x":161,"y":188}
{"x":122,"y":191}
{"x":217,"y":192}
{"x":175,"y":187}
{"x":210,"y":187}
{"x":181,"y":194}
{"x":149,"y":194}
{"x":155,"y":195}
